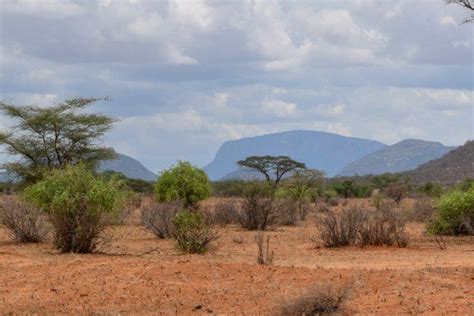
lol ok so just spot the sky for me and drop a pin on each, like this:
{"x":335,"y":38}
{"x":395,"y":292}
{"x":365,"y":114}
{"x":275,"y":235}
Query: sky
{"x":185,"y":76}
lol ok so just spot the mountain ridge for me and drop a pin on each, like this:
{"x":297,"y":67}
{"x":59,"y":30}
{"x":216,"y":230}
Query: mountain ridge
{"x":402,"y":156}
{"x":326,"y":151}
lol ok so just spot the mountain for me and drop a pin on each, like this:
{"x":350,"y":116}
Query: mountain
{"x":402,"y":156}
{"x":320,"y":150}
{"x":130,"y":167}
{"x":454,"y":167}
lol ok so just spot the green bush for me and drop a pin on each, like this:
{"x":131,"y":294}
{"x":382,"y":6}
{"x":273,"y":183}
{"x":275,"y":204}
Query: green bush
{"x":183,"y":182}
{"x":79,"y":205}
{"x":454,"y":214}
{"x":431,"y":189}
{"x":191,"y":233}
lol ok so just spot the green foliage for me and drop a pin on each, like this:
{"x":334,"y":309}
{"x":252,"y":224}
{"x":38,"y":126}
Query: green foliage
{"x":47,"y":138}
{"x":455,"y":214}
{"x":350,"y":188}
{"x":273,"y":168}
{"x":382,"y":181}
{"x":183,"y":182}
{"x":191,"y":233}
{"x":135,"y":185}
{"x":466,"y":185}
{"x":329,"y":194}
{"x":431,"y":189}
{"x":230,"y":188}
{"x":79,"y":205}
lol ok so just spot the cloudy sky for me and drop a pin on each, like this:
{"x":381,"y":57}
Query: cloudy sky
{"x":185,"y":76}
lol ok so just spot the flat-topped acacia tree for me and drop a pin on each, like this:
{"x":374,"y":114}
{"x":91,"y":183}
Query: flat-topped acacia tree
{"x":272,"y":167}
{"x":47,"y":138}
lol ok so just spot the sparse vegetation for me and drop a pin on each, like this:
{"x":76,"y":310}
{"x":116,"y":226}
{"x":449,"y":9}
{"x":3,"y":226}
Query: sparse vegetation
{"x":226,"y":212}
{"x":340,"y":230}
{"x":183,"y":182}
{"x":192,"y":234}
{"x":79,"y":205}
{"x":258,"y":211}
{"x":385,"y":227}
{"x":264,"y":254}
{"x":396,"y":191}
{"x":321,"y":299}
{"x":159,"y":217}
{"x":423,"y":210}
{"x":25,"y":222}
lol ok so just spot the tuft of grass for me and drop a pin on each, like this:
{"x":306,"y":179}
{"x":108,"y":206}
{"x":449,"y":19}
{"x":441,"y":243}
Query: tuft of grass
{"x":320,"y":299}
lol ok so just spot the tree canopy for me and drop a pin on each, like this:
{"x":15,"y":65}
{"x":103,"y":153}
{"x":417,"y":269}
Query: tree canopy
{"x":466,"y":4}
{"x":272,"y":167}
{"x":183,"y":182}
{"x":46,"y":138}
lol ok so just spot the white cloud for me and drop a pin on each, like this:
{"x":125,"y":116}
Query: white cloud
{"x":279,"y":108}
{"x":448,"y":20}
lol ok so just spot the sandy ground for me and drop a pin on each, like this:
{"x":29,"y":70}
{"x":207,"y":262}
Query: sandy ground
{"x":138,"y":274}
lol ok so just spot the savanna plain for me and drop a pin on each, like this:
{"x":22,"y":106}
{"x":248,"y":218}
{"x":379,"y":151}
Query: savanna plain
{"x":132,"y":272}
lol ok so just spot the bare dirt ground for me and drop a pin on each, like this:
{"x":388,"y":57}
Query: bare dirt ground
{"x":138,"y":274}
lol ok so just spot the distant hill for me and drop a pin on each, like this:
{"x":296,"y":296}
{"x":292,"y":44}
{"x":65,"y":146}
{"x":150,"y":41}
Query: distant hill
{"x":129,"y":166}
{"x":324,"y":151}
{"x":454,"y":167}
{"x":402,"y":156}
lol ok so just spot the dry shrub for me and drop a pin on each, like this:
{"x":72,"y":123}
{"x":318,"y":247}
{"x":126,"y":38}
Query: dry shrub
{"x":422,"y":210}
{"x":158,"y":217}
{"x":323,"y":208}
{"x":333,"y":202}
{"x":133,"y":202}
{"x":192,"y":234}
{"x":258,"y":209}
{"x":264,"y":254}
{"x":226,"y":212}
{"x":321,"y":299}
{"x":288,"y":212}
{"x":396,"y":191}
{"x":385,"y":227}
{"x":25,"y":222}
{"x":340,"y":230}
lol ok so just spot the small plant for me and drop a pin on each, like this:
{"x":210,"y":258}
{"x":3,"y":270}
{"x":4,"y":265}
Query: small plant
{"x":183,"y":182}
{"x":454,"y":214}
{"x":264,"y":254}
{"x":79,"y":205}
{"x":384,"y":227}
{"x":192,"y":234}
{"x":321,"y":299}
{"x":340,"y":230}
{"x":258,"y":209}
{"x":333,"y":202}
{"x":25,"y":222}
{"x":159,"y":217}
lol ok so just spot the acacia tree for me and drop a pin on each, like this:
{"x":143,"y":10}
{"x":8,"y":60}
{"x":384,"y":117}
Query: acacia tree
{"x":46,"y":138}
{"x":467,"y":4}
{"x":273,"y":168}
